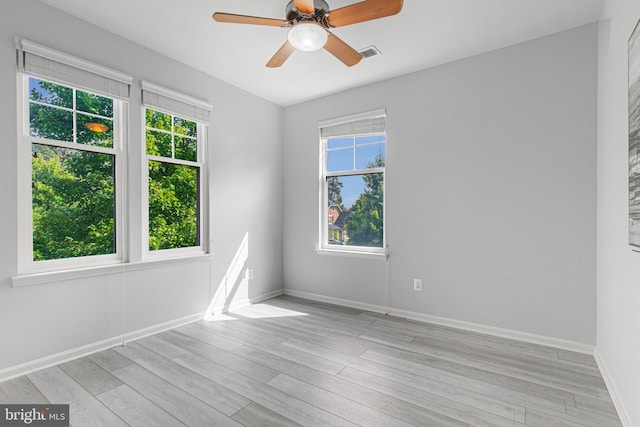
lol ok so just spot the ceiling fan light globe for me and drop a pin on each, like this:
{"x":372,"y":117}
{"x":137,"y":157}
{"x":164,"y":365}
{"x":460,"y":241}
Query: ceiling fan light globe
{"x":307,"y":36}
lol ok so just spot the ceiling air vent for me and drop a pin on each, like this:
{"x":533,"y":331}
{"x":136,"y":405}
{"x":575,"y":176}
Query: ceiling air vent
{"x":370,"y":51}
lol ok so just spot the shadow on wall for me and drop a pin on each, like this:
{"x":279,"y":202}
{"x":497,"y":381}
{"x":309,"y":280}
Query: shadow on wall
{"x":235,"y":279}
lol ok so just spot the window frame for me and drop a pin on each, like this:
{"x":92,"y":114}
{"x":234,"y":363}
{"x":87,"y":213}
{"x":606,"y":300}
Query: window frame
{"x":324,"y":247}
{"x":26,"y":263}
{"x":201,"y":163}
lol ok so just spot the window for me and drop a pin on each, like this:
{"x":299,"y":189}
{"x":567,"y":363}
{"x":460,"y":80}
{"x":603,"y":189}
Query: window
{"x":70,"y":161}
{"x":71,"y":168}
{"x":352,"y":183}
{"x":175,"y":131}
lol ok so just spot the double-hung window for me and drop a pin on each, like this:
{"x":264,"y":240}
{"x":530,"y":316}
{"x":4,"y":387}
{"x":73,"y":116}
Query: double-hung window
{"x":70,"y":160}
{"x":175,"y":128}
{"x":353,"y":158}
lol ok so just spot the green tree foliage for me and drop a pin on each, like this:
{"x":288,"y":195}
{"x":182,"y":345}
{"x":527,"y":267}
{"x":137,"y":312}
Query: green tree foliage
{"x":334,"y":189}
{"x":173,"y":206}
{"x":73,"y":197}
{"x":73,"y":191}
{"x":364,"y":225}
{"x":72,"y":202}
{"x":173,"y":189}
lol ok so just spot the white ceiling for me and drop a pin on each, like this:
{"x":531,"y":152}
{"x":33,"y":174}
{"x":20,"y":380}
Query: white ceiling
{"x":424,"y":34}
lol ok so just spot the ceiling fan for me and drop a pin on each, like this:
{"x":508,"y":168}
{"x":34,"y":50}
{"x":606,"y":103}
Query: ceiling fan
{"x":309,"y":22}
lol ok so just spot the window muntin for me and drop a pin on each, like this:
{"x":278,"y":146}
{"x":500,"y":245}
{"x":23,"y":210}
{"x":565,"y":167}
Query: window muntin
{"x":62,"y":113}
{"x":174,"y":181}
{"x":354,"y":153}
{"x":353,"y":192}
{"x":74,"y":168}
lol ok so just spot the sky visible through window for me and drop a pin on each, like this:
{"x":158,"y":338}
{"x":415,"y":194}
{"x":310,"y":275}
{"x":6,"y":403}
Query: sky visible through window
{"x":353,"y":153}
{"x":48,"y":95}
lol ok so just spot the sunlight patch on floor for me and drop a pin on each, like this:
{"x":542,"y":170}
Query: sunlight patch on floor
{"x":265,"y":311}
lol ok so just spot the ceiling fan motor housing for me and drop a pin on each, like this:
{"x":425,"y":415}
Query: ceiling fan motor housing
{"x":319,"y":15}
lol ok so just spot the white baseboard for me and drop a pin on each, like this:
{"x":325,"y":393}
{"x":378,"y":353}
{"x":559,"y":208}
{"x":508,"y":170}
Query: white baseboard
{"x":65,"y":356}
{"x":497,"y":332}
{"x":617,"y":402}
{"x":459,"y":324}
{"x":336,"y":301}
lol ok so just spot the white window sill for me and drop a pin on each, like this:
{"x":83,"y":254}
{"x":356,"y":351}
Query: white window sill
{"x":353,"y":254}
{"x":39,"y":278}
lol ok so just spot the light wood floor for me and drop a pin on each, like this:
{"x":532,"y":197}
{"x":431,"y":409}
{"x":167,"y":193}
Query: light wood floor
{"x":289,"y":362}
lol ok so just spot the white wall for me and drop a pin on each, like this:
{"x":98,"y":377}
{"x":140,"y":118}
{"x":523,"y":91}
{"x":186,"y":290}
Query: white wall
{"x":491,"y":190}
{"x":618,"y":277}
{"x":246,"y":201}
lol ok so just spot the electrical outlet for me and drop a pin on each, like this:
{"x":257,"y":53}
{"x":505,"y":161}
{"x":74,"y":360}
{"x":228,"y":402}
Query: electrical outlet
{"x":248,"y":274}
{"x":417,"y":285}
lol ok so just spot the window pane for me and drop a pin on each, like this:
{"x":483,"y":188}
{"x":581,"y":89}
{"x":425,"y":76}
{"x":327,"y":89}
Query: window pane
{"x":73,"y":203}
{"x":184,"y":127}
{"x":94,"y":131}
{"x":185,"y":148}
{"x":94,"y":104}
{"x":339,"y":142}
{"x":50,"y":122}
{"x":340,"y":160}
{"x":356,"y":206}
{"x":173,"y":206}
{"x":370,"y":156}
{"x":159,"y":144}
{"x":158,"y":120}
{"x":369,"y":139}
{"x":50,"y":93}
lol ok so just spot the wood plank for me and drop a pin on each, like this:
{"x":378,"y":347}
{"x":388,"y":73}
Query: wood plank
{"x":593,"y":418}
{"x":254,"y":415}
{"x":278,"y":330}
{"x":179,"y":404}
{"x":453,"y":334}
{"x":591,"y":405}
{"x":243,"y":333}
{"x":209,"y":336}
{"x":437,"y":381}
{"x":349,"y":388}
{"x":273,"y":333}
{"x":537,"y":418}
{"x":325,"y":312}
{"x":281,"y":403}
{"x":307,"y":359}
{"x":110,"y":360}
{"x":90,"y":375}
{"x":345,"y":408}
{"x":222,"y":358}
{"x":571,"y":382}
{"x":474,"y":410}
{"x":135,"y":410}
{"x":303,"y":358}
{"x":163,"y":347}
{"x":426,"y":366}
{"x":328,"y":325}
{"x":572,"y":356}
{"x":84,"y":409}
{"x":214,"y":395}
{"x":20,"y":390}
